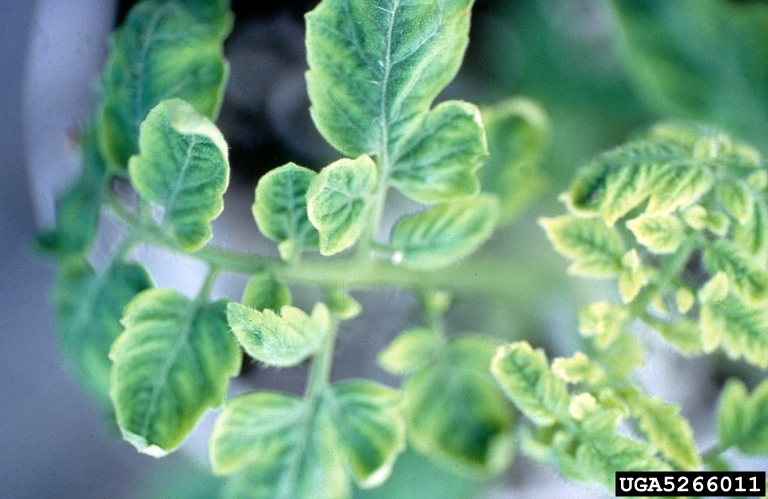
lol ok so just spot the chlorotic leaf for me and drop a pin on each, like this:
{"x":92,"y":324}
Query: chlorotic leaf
{"x":89,"y":307}
{"x":633,"y":277}
{"x":280,"y":207}
{"x":577,"y":369}
{"x":666,"y":430}
{"x":376,"y":66}
{"x":370,"y":428}
{"x":164,"y":49}
{"x":752,"y":236}
{"x":737,"y":199}
{"x":438,"y":163}
{"x":622,"y":356}
{"x":409,"y":351}
{"x":283,"y":339}
{"x":747,"y":278}
{"x":171,"y":363}
{"x":660,"y":234}
{"x":684,"y":335}
{"x":517,"y":130}
{"x":444,"y":233}
{"x":737,"y":326}
{"x":183,"y":167}
{"x":742,"y":418}
{"x":525,"y":376}
{"x":597,"y":250}
{"x":458,"y":416}
{"x":683,"y":185}
{"x":280,"y":447}
{"x":263,"y":292}
{"x":339,"y":200}
{"x":603,"y":321}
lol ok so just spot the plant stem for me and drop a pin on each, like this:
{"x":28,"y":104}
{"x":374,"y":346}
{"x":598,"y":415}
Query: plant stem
{"x":322,"y":363}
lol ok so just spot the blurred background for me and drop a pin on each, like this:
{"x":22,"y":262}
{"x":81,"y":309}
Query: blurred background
{"x":569,"y":55}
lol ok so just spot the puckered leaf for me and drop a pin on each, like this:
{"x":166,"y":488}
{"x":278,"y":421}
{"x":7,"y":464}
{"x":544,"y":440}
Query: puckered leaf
{"x":603,"y":321}
{"x":264,"y":292}
{"x":525,"y":376}
{"x":742,"y":419}
{"x":371,"y":428}
{"x":679,"y":186}
{"x":377,"y":65}
{"x":89,"y":307}
{"x":753,"y":235}
{"x":740,"y":328}
{"x":660,"y":234}
{"x":577,"y":369}
{"x":439,"y":161}
{"x":456,"y":413}
{"x":597,"y":250}
{"x":339,"y":200}
{"x":172,"y":362}
{"x":747,"y":278}
{"x":280,"y":208}
{"x":409,"y":351}
{"x":666,"y":430}
{"x":737,"y":199}
{"x":165,"y":49}
{"x":517,"y":131}
{"x":279,"y":340}
{"x":183,"y":167}
{"x":286,"y":448}
{"x":445,"y":233}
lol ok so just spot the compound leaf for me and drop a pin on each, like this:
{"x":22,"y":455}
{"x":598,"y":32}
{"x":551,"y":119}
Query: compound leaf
{"x":376,"y":66}
{"x":263,"y":292}
{"x":526,"y":378}
{"x":164,"y":49}
{"x":339,"y":200}
{"x":660,"y":233}
{"x":748,"y":279}
{"x":171,"y":363}
{"x":283,"y":339}
{"x":279,"y":447}
{"x":517,"y":131}
{"x":183,"y":167}
{"x":280,"y":208}
{"x":409,"y":351}
{"x":370,"y":428}
{"x":89,"y":307}
{"x":439,"y":161}
{"x":456,"y":414}
{"x":597,"y":250}
{"x":666,"y":430}
{"x":444,"y":233}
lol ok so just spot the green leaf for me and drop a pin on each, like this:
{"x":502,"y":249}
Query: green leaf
{"x":342,"y":305}
{"x":684,"y":335}
{"x":667,"y":430}
{"x":339,"y":200}
{"x":700,"y":59}
{"x":410,"y":351}
{"x":525,"y":376}
{"x":376,"y":66}
{"x":281,"y":447}
{"x":622,"y":356}
{"x":371,"y":428}
{"x":739,"y":327}
{"x":456,"y":414}
{"x":597,"y":250}
{"x":444,"y":233}
{"x":77,"y":209}
{"x":263,"y":292}
{"x":603,"y":321}
{"x":280,"y":208}
{"x":748,"y":279}
{"x":171,"y":363}
{"x":282,"y":340}
{"x":439,"y":161}
{"x":518,"y":130}
{"x":742,"y":419}
{"x":660,"y":234}
{"x":602,"y":451}
{"x":164,"y":49}
{"x":183,"y":167}
{"x":737,"y":199}
{"x":88,"y":308}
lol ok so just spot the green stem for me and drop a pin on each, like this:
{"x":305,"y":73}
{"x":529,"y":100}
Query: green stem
{"x":207,"y":286}
{"x":322,"y":364}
